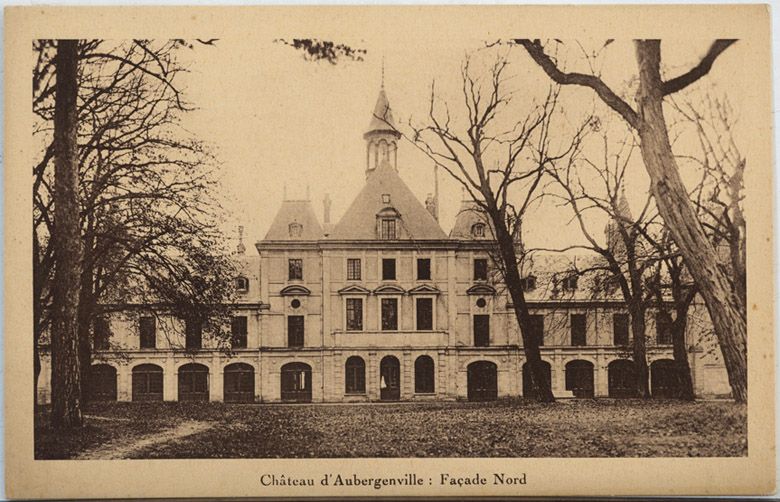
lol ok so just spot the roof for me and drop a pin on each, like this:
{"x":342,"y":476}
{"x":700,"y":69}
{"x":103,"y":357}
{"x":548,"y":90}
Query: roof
{"x":469,"y":215}
{"x":359,"y":221}
{"x":382,"y":118}
{"x":294,"y":211}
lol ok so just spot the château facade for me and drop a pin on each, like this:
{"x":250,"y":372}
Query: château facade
{"x":386,"y":305}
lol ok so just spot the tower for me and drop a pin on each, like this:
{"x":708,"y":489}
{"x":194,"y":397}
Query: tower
{"x":381,"y":136}
{"x":621,"y":218}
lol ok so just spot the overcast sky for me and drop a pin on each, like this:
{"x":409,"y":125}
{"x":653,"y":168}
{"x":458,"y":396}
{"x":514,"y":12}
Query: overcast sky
{"x":275,"y":119}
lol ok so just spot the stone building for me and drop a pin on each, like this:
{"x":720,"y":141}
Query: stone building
{"x":385,"y":305}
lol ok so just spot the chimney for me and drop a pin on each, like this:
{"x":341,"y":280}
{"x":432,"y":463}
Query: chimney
{"x":326,"y":209}
{"x":241,"y":248}
{"x":430,"y":205}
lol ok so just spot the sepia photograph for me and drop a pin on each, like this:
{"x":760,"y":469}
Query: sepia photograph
{"x":374,"y":244}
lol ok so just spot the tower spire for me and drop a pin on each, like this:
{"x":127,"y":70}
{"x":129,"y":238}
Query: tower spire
{"x":382,"y":84}
{"x":382,"y":135}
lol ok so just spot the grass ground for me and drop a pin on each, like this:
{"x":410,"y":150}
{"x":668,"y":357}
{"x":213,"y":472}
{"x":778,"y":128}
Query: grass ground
{"x":578,"y":428}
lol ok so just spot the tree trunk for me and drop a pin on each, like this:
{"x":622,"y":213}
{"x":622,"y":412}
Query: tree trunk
{"x":680,"y":350}
{"x":533,"y":357}
{"x":724,"y":303}
{"x":65,"y":379}
{"x":86,"y":312}
{"x":639,"y":350}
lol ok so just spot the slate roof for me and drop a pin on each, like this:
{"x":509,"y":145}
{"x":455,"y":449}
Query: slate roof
{"x":382,"y":118}
{"x":468,"y":215}
{"x":359,"y":221}
{"x":294,"y":211}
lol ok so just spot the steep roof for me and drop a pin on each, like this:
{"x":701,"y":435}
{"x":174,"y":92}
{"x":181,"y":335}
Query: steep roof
{"x":294,"y":211}
{"x":382,"y":118}
{"x":359,"y":221}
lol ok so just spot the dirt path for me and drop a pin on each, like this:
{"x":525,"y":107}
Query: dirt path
{"x":117,"y":450}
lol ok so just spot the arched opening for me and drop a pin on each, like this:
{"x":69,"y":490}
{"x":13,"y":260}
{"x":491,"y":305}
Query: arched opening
{"x":622,"y":379}
{"x":296,"y":382}
{"x":239,"y":383}
{"x":389,"y":379}
{"x":355,"y":375}
{"x":482,"y":381}
{"x":663,"y":379}
{"x":147,"y":383}
{"x":424,"y":380}
{"x":193,"y":382}
{"x":579,"y":378}
{"x":527,"y":388}
{"x":101,"y":385}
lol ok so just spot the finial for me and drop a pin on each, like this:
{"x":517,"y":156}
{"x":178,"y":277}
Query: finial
{"x":241,"y":248}
{"x":284,"y":192}
{"x":383,"y":73}
{"x":308,"y":196}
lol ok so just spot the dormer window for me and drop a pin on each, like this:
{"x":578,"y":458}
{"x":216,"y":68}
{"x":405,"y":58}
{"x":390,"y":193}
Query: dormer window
{"x":242,"y":284}
{"x":295,"y":229}
{"x":528,"y":283}
{"x":385,"y":198}
{"x":387,"y":223}
{"x":387,"y":228}
{"x":478,"y":230}
{"x":569,"y":283}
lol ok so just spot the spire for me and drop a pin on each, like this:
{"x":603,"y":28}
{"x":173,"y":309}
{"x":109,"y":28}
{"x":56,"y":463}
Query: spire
{"x":241,"y":248}
{"x":382,"y":135}
{"x":382,"y":84}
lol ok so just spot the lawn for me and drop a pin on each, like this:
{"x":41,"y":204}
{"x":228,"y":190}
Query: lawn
{"x":577,"y":428}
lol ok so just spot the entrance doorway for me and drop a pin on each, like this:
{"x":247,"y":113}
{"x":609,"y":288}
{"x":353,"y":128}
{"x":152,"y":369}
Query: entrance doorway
{"x":482,"y":381}
{"x":390,"y":379}
{"x":296,"y":383}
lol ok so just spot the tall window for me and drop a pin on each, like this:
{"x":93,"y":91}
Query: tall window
{"x":424,"y":314}
{"x":355,"y":375}
{"x":387,"y":228}
{"x":148,"y":331}
{"x":354,"y":314}
{"x":238,"y":332}
{"x":423,"y":269}
{"x":424,"y":375}
{"x":388,"y":269}
{"x":663,"y":328}
{"x":620,"y":329}
{"x":102,"y":333}
{"x":353,"y":269}
{"x":536,"y":324}
{"x":295,"y":266}
{"x":480,"y":269}
{"x":481,"y":330}
{"x":389,"y":314}
{"x":578,"y":330}
{"x":193,"y":331}
{"x":295,"y":331}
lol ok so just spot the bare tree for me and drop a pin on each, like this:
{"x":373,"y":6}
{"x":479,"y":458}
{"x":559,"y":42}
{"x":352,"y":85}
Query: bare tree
{"x":500,"y":168}
{"x":66,"y":384}
{"x":628,"y":261}
{"x":720,"y":292}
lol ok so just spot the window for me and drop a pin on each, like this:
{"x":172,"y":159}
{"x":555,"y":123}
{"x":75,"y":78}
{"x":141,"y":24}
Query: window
{"x":423,"y":269}
{"x":147,"y":383}
{"x":148,"y":332}
{"x":355,"y":375}
{"x":424,"y":314}
{"x":193,"y":382}
{"x":480,"y":269}
{"x":481,"y":330}
{"x":387,"y":228}
{"x":385,"y":198}
{"x":238,"y":332}
{"x":578,"y":330}
{"x":242,"y":284}
{"x":536,"y":325}
{"x":295,"y":331}
{"x":102,"y":333}
{"x":663,"y":328}
{"x":424,"y":382}
{"x":569,"y":283}
{"x":295,"y":303}
{"x":295,"y":266}
{"x":193,"y":331}
{"x":478,"y":230}
{"x":354,"y":314}
{"x":389,"y":314}
{"x":620,"y":329}
{"x":388,"y":269}
{"x":295,"y":229}
{"x":353,"y":269}
{"x":528,"y":283}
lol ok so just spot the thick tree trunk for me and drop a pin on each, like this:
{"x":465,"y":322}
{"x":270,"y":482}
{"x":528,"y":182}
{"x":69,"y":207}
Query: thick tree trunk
{"x":680,"y":350}
{"x":639,"y":350}
{"x":724,"y":303}
{"x":533,"y":357}
{"x":66,"y":382}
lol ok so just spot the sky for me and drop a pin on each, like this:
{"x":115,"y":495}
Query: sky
{"x":279,"y":123}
